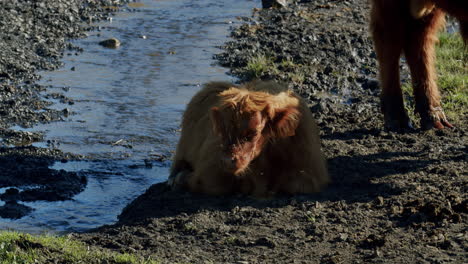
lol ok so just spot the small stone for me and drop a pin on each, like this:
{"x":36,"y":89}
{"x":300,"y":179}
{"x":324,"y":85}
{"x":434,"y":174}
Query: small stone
{"x":274,"y":3}
{"x":10,"y":89}
{"x":377,"y":253}
{"x":396,"y":209}
{"x":110,"y":43}
{"x":379,"y":201}
{"x":344,"y":236}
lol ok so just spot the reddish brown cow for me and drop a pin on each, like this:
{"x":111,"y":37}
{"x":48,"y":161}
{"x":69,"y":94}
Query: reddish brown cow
{"x":410,"y":27}
{"x":257,"y":139}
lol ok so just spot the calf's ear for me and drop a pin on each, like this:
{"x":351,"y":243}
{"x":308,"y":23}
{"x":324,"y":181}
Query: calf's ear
{"x":284,"y":122}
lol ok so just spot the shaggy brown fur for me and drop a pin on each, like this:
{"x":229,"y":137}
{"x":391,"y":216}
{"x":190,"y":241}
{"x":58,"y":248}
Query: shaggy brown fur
{"x":410,"y":27}
{"x":256,"y":139}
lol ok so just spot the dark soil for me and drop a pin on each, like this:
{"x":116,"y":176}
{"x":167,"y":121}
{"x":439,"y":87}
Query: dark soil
{"x":34,"y":36}
{"x":395,"y":198}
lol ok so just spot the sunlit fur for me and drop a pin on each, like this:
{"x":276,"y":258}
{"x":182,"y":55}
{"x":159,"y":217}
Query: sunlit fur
{"x":410,"y":27}
{"x":258,"y":139}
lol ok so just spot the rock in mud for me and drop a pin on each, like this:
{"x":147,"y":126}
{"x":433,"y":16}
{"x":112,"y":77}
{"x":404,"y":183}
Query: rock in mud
{"x":111,"y":43}
{"x":274,"y":3}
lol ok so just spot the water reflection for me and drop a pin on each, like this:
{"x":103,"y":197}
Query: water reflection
{"x":137,"y":92}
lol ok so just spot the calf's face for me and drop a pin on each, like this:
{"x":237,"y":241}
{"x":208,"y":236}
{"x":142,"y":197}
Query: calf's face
{"x":240,"y":136}
{"x":243,"y":135}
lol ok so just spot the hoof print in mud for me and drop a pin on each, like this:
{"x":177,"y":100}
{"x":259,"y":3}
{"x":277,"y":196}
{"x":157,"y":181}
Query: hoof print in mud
{"x":373,"y":242}
{"x":419,"y":212}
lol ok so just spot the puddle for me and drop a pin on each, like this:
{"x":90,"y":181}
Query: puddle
{"x":127,"y":104}
{"x":110,"y":187}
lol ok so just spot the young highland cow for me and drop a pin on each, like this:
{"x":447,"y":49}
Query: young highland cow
{"x":257,"y":139}
{"x":410,"y":27}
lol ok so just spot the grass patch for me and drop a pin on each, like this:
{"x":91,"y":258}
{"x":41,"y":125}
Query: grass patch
{"x":262,"y":65}
{"x":259,"y":66}
{"x":24,"y":248}
{"x":452,"y":71}
{"x":452,"y":67}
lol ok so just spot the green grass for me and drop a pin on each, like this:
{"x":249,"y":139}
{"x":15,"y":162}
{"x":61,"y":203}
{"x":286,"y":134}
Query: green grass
{"x":259,"y":66}
{"x":262,"y":65}
{"x":452,"y":67}
{"x":452,"y":71}
{"x":24,"y":248}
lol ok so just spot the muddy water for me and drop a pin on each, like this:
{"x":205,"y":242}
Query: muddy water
{"x":127,"y":104}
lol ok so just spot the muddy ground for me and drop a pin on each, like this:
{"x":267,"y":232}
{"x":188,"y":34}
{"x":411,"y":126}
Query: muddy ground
{"x":395,"y":198}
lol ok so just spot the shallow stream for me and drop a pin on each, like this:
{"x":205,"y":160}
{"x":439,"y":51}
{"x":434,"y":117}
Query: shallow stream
{"x":127,"y":104}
